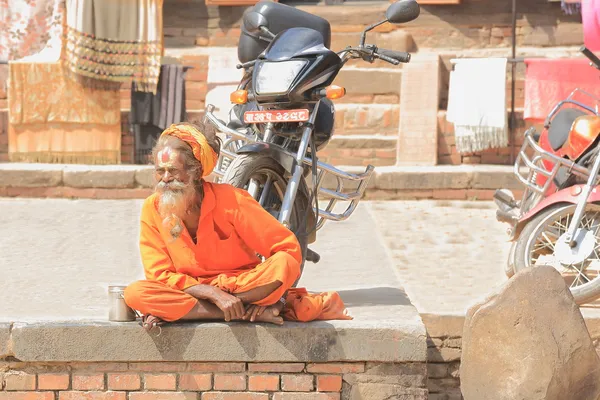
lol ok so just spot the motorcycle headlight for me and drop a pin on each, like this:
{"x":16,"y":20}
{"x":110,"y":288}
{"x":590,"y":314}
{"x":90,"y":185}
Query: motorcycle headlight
{"x":277,"y":77}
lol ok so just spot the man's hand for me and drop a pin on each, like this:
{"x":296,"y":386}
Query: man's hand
{"x":253,"y":311}
{"x":232,"y":307}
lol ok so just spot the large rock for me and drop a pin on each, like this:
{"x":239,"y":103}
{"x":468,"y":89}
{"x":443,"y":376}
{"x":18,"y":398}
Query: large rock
{"x":529,"y":341}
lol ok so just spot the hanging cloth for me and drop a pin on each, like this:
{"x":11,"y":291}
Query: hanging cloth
{"x":549,"y":81}
{"x":477,"y":104}
{"x":151,"y":114}
{"x":30,"y":28}
{"x":110,"y":42}
{"x":53,"y":119}
{"x":590,"y":19}
{"x":570,"y":7}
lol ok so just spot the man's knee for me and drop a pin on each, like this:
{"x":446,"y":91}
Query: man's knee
{"x":134,"y":294}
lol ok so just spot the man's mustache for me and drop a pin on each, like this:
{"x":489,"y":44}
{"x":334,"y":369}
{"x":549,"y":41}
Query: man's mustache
{"x":174,"y":185}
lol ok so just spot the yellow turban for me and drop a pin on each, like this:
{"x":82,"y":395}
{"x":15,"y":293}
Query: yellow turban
{"x":200,"y":147}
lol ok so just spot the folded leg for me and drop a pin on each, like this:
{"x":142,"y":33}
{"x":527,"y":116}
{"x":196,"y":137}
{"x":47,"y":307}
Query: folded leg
{"x":158,"y":299}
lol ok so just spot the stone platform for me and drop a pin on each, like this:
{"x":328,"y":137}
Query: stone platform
{"x":60,"y":255}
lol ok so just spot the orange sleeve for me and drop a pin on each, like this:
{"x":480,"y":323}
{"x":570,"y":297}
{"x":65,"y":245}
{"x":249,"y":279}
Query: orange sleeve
{"x":263,"y":233}
{"x":155,"y":256}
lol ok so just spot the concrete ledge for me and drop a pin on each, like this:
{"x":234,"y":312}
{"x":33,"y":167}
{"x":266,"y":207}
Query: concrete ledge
{"x":294,"y":342}
{"x":444,"y":181}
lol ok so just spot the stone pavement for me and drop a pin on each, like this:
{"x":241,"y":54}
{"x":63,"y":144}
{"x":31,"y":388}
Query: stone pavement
{"x":448,"y":254}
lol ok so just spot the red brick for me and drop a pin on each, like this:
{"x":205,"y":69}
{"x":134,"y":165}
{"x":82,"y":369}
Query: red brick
{"x":196,"y":75}
{"x":88,"y":382}
{"x":26,"y":395}
{"x":195,"y":90}
{"x":387,"y":99}
{"x":230,"y":382}
{"x":480,"y":194}
{"x":306,"y":396}
{"x":160,"y":382}
{"x":329,"y":383}
{"x":53,"y":381}
{"x":162,"y":396}
{"x":216,"y":367}
{"x":453,"y":159}
{"x":234,"y":396}
{"x":472,"y":159}
{"x":263,"y":383}
{"x":196,"y":382}
{"x":450,"y":194}
{"x":276,"y":367}
{"x":336,"y":368}
{"x":92,"y":396}
{"x":385,"y":153}
{"x":20,"y":381}
{"x":297,"y":383}
{"x":124,"y":382}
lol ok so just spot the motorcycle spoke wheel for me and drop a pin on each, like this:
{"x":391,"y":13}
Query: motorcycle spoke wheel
{"x":580,"y":266}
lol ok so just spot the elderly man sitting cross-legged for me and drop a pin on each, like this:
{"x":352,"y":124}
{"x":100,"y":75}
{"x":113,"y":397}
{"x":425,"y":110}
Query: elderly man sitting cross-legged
{"x":199,"y":243}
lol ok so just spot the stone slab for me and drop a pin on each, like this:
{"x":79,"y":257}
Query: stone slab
{"x":443,"y":325}
{"x":423,"y":177}
{"x":144,"y":176}
{"x":4,"y":340}
{"x":362,"y":142}
{"x":30,"y":175}
{"x":494,"y":176}
{"x":370,"y":80}
{"x":316,"y":342}
{"x":102,"y":176}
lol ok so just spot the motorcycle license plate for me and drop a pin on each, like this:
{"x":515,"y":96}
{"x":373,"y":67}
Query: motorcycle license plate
{"x":257,"y":117}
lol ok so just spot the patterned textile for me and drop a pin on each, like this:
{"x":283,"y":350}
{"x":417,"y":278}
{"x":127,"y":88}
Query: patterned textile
{"x":114,"y":41}
{"x":54,"y":119}
{"x":28,"y":27}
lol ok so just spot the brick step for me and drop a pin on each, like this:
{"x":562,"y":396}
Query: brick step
{"x":377,"y":150}
{"x":361,"y":119}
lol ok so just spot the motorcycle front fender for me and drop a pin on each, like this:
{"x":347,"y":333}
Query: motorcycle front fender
{"x":285,"y":159}
{"x":568,"y":195}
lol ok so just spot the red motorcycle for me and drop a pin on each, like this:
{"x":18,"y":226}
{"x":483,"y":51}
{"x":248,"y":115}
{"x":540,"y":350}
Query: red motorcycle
{"x":557,"y":221}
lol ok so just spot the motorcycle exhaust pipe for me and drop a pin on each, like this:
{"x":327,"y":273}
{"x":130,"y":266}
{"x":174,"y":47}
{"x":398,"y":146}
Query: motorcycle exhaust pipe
{"x":506,"y":216}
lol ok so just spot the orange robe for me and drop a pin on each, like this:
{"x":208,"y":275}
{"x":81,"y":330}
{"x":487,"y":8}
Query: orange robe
{"x":232,"y":229}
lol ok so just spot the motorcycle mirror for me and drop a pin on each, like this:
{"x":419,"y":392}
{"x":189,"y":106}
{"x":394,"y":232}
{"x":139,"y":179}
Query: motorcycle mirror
{"x":253,"y":21}
{"x":402,"y":11}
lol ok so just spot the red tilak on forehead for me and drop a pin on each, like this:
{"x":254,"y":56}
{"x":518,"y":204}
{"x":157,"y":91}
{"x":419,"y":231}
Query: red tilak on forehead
{"x":165,"y":154}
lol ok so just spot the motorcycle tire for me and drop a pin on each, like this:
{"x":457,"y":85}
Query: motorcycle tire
{"x":245,"y":166}
{"x":581,"y":294}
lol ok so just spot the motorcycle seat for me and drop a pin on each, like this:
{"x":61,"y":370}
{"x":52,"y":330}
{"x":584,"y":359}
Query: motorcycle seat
{"x":560,"y":126}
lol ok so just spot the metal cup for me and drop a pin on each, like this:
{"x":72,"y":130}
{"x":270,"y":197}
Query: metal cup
{"x":118,"y":310}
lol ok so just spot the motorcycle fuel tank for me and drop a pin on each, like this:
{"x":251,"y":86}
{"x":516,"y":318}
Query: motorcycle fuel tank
{"x":583,"y":134}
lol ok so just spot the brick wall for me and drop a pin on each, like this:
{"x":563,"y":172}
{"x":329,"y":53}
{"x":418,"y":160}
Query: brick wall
{"x":211,"y":381}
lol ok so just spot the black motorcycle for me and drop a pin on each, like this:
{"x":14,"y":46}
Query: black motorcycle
{"x":284,"y":114}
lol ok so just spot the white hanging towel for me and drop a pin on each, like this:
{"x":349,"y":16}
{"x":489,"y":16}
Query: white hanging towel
{"x":477,"y":104}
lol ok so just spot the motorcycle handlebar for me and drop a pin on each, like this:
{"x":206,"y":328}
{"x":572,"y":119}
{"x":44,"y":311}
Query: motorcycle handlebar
{"x":397,"y":56}
{"x":591,"y":56}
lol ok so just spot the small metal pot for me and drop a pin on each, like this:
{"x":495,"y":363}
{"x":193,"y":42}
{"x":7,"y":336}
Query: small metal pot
{"x":118,"y":310}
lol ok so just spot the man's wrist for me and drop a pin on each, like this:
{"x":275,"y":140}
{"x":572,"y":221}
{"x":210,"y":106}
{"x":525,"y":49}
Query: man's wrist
{"x":202,"y":292}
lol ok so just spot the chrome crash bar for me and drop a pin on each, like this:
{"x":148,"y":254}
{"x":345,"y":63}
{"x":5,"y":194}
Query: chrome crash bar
{"x":529,"y":165}
{"x":236,"y":139}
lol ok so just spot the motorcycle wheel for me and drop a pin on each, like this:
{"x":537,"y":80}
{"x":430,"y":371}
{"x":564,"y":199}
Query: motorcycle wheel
{"x":543,"y":237}
{"x":258,"y":168}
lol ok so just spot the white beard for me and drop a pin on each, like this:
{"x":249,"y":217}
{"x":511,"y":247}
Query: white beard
{"x":174,"y":200}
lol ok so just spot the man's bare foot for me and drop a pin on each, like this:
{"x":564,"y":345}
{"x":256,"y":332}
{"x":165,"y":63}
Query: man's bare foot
{"x":270,"y":315}
{"x":149,"y":322}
